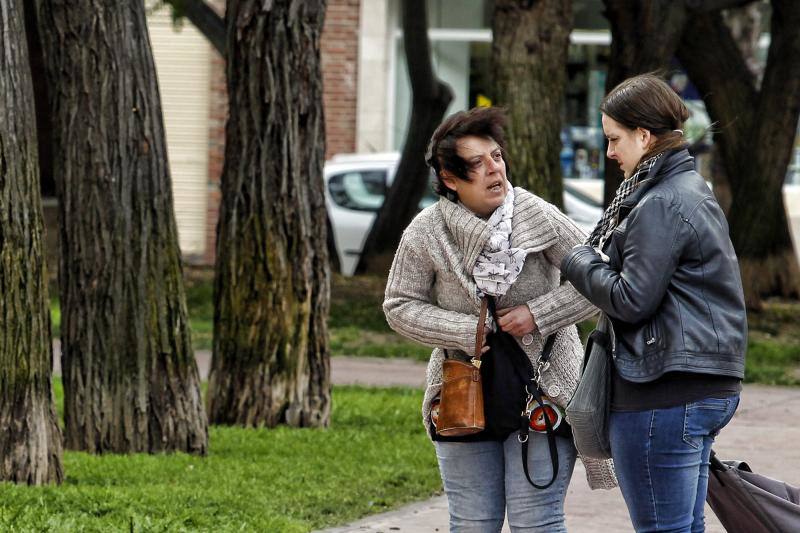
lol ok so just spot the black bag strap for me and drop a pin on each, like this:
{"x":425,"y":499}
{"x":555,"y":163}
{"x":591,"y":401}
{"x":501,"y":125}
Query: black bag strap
{"x":548,"y":348}
{"x":536,"y":393}
{"x":524,"y":437}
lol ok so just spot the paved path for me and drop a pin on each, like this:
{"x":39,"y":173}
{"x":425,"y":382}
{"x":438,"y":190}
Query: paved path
{"x":368,"y":371}
{"x":764,"y":432}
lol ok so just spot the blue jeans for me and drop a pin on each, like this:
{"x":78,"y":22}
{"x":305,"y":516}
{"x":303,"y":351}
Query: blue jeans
{"x":661,"y":458}
{"x":483,"y":480}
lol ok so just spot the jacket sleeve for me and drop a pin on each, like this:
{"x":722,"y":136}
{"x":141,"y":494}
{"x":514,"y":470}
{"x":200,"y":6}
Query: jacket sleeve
{"x":562,"y":306}
{"x":650,"y":256}
{"x":408,"y":303}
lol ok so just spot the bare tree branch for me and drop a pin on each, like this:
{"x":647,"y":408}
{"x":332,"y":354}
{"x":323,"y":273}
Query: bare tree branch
{"x":205,"y":19}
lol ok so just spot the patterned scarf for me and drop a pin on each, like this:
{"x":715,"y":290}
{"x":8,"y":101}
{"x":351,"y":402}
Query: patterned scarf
{"x":498,"y":264}
{"x":610,"y":217}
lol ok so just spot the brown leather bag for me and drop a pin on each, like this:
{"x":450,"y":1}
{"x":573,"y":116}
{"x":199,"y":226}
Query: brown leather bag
{"x":461,"y":398}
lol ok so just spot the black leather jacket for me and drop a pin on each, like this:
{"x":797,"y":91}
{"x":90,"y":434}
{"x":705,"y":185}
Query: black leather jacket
{"x":672,"y":286}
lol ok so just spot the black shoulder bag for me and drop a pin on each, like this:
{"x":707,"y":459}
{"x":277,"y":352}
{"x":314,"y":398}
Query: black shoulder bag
{"x":525,"y":395}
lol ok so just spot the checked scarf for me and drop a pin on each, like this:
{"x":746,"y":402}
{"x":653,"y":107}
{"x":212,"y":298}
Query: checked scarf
{"x":610,"y":219}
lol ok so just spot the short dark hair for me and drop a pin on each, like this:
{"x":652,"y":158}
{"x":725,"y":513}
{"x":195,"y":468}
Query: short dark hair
{"x":646,"y":101}
{"x":487,"y":122}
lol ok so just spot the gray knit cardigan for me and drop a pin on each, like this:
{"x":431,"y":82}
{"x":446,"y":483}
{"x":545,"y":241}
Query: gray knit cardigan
{"x":431,"y":295}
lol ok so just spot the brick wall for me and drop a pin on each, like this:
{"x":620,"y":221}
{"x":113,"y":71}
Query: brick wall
{"x":339,"y":50}
{"x":218,"y":116}
{"x":340,"y":75}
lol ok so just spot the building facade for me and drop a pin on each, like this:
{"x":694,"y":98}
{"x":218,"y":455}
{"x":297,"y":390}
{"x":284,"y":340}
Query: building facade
{"x":367,"y":94}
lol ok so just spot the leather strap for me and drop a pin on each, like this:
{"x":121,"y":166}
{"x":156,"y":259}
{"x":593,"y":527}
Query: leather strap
{"x":547,"y":350}
{"x":479,"y":334}
{"x":524,"y":435}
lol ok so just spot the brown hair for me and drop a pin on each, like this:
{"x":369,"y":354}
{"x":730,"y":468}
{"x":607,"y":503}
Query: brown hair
{"x":646,"y":101}
{"x":487,"y":122}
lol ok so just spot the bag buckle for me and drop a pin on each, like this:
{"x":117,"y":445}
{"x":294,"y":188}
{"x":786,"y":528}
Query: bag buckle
{"x":528,"y":402}
{"x":541,"y":367}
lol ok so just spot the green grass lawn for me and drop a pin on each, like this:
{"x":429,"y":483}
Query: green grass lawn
{"x":375,"y":456}
{"x":773,"y":354}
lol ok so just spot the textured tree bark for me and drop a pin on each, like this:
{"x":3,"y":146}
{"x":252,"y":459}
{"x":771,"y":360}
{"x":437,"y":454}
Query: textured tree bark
{"x":30,"y":440}
{"x":430,"y":98}
{"x":130,"y":378}
{"x":529,"y":57}
{"x":270,"y":361}
{"x":755,"y":134}
{"x":644,"y":38}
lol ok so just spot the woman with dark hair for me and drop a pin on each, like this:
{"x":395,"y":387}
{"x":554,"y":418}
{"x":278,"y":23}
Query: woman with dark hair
{"x":661,"y":265}
{"x":485,"y":238}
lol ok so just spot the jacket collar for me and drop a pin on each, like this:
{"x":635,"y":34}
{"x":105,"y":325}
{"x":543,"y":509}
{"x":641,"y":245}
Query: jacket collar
{"x":672,"y":163}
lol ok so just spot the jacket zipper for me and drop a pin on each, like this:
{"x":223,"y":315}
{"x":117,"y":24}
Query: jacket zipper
{"x":651,"y":335}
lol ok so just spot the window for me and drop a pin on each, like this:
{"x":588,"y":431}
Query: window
{"x":360,"y":190}
{"x":364,"y":190}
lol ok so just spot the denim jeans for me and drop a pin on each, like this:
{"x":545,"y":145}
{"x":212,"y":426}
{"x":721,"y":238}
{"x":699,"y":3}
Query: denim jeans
{"x":661,"y":458}
{"x":484,"y":480}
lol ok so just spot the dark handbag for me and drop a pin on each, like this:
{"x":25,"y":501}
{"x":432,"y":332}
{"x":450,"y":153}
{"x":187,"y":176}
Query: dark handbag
{"x":461,"y":404}
{"x":511,"y":394}
{"x":746,"y":502}
{"x":588,"y":410}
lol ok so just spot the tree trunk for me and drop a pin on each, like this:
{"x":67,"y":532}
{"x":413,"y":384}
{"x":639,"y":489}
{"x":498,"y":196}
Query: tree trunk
{"x":430,"y":99}
{"x":130,"y":378}
{"x":529,"y":58}
{"x":644,"y":38}
{"x":271,"y":293}
{"x":756,"y":135}
{"x":745,"y":25}
{"x":30,"y":441}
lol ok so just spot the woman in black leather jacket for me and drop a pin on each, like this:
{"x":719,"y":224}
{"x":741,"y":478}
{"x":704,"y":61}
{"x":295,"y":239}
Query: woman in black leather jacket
{"x":661,"y":265}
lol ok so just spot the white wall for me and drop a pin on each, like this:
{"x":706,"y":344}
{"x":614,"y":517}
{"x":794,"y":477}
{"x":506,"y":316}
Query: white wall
{"x":183,"y":63}
{"x":374,"y":51}
{"x":791,"y":200}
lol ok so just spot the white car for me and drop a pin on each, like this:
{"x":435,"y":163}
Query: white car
{"x":355,"y":186}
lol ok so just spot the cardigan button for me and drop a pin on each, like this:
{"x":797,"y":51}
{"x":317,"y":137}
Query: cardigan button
{"x":555,"y":390}
{"x":527,"y":339}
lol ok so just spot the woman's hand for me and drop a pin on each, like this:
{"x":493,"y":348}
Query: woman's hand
{"x":517,"y":321}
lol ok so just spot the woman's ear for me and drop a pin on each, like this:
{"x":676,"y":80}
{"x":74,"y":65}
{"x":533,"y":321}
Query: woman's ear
{"x":645,"y":137}
{"x":449,"y":180}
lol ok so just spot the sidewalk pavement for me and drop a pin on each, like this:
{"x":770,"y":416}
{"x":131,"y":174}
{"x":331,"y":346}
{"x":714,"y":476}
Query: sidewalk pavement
{"x":764,"y":432}
{"x":367,"y":371}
